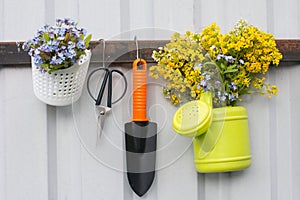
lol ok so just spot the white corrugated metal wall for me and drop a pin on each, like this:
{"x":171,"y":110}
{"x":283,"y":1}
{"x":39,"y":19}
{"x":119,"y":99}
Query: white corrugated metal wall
{"x":41,"y":156}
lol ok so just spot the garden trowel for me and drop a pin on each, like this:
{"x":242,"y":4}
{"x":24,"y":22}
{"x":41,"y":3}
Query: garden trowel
{"x":140,"y":135}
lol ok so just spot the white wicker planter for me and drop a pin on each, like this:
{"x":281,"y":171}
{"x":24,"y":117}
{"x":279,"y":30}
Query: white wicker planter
{"x":61,"y":87}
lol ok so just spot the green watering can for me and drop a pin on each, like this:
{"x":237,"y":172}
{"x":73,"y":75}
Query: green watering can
{"x":221,"y":139}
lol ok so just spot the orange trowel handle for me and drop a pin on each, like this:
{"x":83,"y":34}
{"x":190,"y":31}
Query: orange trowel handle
{"x":139,"y":72}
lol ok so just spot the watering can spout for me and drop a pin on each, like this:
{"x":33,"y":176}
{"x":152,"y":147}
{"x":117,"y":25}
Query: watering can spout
{"x":194,"y":118}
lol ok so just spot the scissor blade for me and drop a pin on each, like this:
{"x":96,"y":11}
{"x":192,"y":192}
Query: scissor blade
{"x":102,"y":112}
{"x":100,"y":124}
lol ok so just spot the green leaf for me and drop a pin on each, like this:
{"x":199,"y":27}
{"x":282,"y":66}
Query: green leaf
{"x":46,"y":36}
{"x":232,"y":66}
{"x":223,"y":66}
{"x":230,"y":70}
{"x":87,"y":40}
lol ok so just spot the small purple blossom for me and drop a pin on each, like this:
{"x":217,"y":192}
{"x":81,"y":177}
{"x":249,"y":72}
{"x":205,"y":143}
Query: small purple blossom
{"x":232,"y":97}
{"x":37,"y":60}
{"x":232,"y":86}
{"x":229,"y":59}
{"x":61,"y":55}
{"x":26,"y":46}
{"x":205,"y":85}
{"x":56,"y":61}
{"x":71,"y":45}
{"x":81,"y":44}
{"x":220,"y":56}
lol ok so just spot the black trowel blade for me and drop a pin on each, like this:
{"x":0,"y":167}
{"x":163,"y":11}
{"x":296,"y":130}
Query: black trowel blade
{"x":140,"y":182}
{"x":140,"y":140}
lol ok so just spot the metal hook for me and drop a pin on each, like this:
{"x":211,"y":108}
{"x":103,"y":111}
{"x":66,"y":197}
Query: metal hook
{"x":103,"y":52}
{"x":19,"y":46}
{"x":137,"y":47}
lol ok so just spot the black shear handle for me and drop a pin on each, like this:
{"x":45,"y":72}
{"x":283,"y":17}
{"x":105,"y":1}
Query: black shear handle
{"x":108,"y":75}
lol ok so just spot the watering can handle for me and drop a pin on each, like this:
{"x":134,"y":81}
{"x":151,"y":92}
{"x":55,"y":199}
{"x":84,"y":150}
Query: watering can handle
{"x":206,"y":97}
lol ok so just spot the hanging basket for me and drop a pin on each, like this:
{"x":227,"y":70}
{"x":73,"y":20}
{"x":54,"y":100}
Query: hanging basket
{"x":61,"y":87}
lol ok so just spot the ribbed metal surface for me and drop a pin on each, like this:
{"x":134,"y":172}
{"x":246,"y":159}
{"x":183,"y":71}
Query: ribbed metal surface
{"x":47,"y":152}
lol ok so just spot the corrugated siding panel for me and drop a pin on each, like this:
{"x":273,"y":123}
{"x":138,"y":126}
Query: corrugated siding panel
{"x":23,"y":140}
{"x":42,"y":155}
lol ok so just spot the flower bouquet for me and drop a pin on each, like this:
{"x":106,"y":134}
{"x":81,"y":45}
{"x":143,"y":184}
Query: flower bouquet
{"x":210,"y":72}
{"x":60,"y":59}
{"x":229,"y":65}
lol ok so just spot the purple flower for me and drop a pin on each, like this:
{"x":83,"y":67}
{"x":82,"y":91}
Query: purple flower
{"x":71,"y":45}
{"x":231,"y":97}
{"x":232,"y":86}
{"x":62,"y":32}
{"x":56,"y":61}
{"x":69,"y":22}
{"x":205,"y":85}
{"x":37,"y":60}
{"x":37,"y":52}
{"x":81,"y":44}
{"x":26,"y":46}
{"x":51,"y":35}
{"x":229,"y":59}
{"x":70,"y":53}
{"x":220,"y":56}
{"x":61,"y":56}
{"x":59,"y":22}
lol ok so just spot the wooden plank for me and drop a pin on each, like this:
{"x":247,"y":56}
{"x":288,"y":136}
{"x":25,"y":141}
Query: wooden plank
{"x":125,"y":51}
{"x":290,"y":50}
